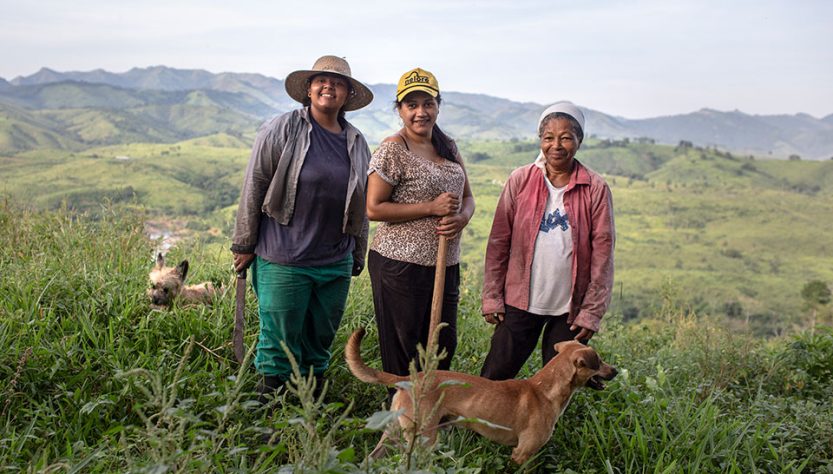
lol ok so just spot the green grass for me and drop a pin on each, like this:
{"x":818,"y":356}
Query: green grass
{"x":93,"y":380}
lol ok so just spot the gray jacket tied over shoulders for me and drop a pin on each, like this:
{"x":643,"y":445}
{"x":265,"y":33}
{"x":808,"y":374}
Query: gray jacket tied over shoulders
{"x":271,"y":181}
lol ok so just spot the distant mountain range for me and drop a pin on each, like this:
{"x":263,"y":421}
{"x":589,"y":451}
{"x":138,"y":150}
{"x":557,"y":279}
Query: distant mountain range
{"x":74,"y":110}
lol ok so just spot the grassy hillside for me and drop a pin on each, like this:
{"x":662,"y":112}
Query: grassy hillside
{"x":76,"y":115}
{"x":21,"y":130}
{"x":93,"y":380}
{"x":730,"y":235}
{"x":189,"y":178}
{"x":724,"y":233}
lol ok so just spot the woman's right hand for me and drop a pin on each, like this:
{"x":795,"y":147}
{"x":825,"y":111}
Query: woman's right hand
{"x":493,"y":318}
{"x":445,"y":204}
{"x":242,"y":261}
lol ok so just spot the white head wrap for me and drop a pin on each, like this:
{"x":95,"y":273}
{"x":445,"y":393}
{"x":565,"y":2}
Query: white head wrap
{"x":565,"y":107}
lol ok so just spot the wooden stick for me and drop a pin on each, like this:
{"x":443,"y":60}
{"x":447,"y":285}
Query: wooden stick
{"x":439,"y":289}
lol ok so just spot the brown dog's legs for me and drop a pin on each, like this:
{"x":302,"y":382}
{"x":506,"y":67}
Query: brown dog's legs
{"x":381,"y":448}
{"x":393,"y":431}
{"x":528,"y":444}
{"x":406,"y":425}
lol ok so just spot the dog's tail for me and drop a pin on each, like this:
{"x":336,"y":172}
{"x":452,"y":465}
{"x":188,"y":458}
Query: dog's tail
{"x":353,"y":356}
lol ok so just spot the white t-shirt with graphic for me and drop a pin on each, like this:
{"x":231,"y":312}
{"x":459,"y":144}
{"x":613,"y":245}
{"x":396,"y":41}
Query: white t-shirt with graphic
{"x":550,"y":288}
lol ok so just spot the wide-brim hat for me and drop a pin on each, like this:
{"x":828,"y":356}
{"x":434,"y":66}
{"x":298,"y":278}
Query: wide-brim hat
{"x":296,"y":82}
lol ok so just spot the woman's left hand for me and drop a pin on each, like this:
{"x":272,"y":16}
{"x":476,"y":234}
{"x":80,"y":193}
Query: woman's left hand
{"x":452,"y":224}
{"x":583,"y":335}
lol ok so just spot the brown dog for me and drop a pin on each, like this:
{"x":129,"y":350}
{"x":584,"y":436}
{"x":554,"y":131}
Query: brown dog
{"x":524,"y":410}
{"x":168,"y":284}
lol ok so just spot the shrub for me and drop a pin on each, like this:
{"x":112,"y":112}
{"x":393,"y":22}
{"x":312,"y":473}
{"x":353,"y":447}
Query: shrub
{"x":808,"y":364}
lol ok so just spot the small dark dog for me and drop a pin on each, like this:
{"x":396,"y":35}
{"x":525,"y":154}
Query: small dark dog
{"x":168,"y":284}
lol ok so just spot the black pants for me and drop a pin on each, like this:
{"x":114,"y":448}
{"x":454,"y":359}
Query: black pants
{"x":514,"y":340}
{"x":402,"y":294}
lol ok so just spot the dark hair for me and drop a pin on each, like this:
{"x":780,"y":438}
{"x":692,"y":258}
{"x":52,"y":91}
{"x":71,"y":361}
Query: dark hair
{"x":308,"y":102}
{"x":442,"y":143}
{"x":561,"y":115}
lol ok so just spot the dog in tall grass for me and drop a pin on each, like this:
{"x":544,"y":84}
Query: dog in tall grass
{"x":168,"y":284}
{"x":519,"y":413}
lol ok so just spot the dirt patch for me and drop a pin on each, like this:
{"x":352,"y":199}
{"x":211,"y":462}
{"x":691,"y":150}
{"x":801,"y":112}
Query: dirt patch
{"x":166,"y":233}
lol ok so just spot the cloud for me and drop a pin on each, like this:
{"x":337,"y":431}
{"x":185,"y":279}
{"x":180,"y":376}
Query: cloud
{"x":632,"y":58}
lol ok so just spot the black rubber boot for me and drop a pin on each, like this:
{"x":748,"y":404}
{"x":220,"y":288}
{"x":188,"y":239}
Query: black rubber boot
{"x":319,"y":386}
{"x":268,"y":388}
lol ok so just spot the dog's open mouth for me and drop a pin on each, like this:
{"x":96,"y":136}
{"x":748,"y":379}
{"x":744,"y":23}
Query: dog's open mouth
{"x":595,"y":383}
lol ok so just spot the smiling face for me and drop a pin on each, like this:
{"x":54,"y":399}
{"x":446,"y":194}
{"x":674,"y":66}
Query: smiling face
{"x":328,"y":93}
{"x":419,"y":111}
{"x":559,"y":144}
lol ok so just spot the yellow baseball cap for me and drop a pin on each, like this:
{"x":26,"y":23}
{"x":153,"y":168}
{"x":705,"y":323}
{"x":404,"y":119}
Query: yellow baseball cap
{"x":417,"y":79}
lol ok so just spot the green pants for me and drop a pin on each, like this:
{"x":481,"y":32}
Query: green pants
{"x":301,"y":306}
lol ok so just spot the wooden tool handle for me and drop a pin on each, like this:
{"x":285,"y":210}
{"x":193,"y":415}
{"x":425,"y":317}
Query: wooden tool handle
{"x":439,"y":289}
{"x":239,"y":316}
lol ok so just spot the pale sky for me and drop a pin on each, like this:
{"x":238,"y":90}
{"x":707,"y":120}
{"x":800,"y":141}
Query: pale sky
{"x":634,"y":59}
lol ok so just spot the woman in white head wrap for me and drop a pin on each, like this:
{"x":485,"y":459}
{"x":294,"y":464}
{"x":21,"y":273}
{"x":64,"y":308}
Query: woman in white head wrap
{"x":549,"y":259}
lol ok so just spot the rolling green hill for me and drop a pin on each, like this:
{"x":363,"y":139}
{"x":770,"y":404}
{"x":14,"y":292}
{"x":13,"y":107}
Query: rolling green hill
{"x":80,"y":95}
{"x":22,"y":130}
{"x":77,"y":129}
{"x":726,"y":234}
{"x":464,"y":115}
{"x":729,"y":235}
{"x":74,"y":115}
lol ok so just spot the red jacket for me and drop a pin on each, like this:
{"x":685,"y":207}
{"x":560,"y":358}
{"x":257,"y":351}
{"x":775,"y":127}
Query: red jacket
{"x":521,"y":207}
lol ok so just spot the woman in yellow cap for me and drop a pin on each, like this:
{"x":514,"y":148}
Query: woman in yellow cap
{"x":418,"y":189}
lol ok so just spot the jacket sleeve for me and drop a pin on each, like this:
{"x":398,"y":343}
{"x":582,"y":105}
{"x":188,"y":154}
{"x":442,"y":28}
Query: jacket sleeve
{"x":259,"y":172}
{"x":603,"y":236}
{"x":360,"y":250}
{"x":497,"y":252}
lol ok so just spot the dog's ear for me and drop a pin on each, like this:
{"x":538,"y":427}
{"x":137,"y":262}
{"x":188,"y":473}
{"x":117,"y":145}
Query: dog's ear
{"x":563,"y":345}
{"x":588,"y":358}
{"x":182,"y":269}
{"x":160,"y":261}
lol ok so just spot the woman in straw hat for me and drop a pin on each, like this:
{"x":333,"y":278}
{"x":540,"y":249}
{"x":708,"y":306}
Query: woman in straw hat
{"x":301,"y":223}
{"x":418,"y":189}
{"x":549,"y":259}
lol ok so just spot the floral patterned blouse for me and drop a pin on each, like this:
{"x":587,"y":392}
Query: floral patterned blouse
{"x":415,"y":179}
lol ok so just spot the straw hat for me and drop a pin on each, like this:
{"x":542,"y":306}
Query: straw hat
{"x":296,"y":82}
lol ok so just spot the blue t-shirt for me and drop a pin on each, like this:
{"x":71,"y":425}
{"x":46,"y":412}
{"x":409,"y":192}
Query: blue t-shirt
{"x":314,"y":234}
